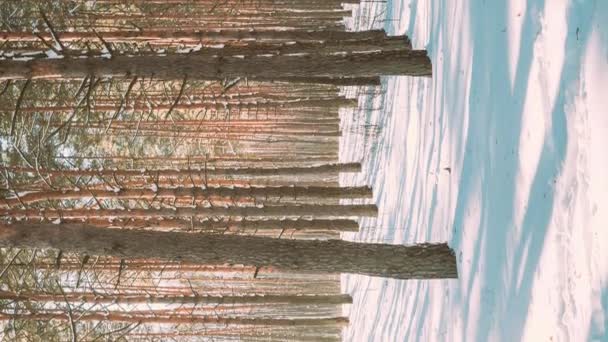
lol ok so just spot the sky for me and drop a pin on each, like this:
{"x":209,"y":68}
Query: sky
{"x":502,"y":153}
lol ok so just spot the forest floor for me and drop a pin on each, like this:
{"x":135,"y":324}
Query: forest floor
{"x":502,"y":154}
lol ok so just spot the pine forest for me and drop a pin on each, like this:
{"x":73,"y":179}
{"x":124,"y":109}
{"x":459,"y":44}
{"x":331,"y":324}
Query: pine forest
{"x":170,"y":169}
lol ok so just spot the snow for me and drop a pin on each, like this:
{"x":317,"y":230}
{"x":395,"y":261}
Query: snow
{"x":516,"y":109}
{"x":189,"y":49}
{"x":53,"y":55}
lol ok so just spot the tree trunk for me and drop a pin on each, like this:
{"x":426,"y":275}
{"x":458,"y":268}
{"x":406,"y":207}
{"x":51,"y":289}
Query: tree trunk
{"x":210,"y":67}
{"x":197,"y":36}
{"x":334,"y":256}
{"x":176,"y":299}
{"x":211,"y":212}
{"x":151,"y":317}
{"x":245,"y":171}
{"x":215,"y":105}
{"x":198,"y":193}
{"x":338,"y":225}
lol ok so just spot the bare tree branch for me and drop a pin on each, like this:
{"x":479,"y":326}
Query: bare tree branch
{"x":5,"y":87}
{"x":18,"y":105}
{"x":70,"y":316}
{"x":52,"y":30}
{"x":123,"y":100}
{"x":10,"y":263}
{"x":105,"y":44}
{"x":177,"y":99}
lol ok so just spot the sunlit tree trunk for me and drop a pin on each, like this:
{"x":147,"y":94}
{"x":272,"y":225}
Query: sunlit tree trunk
{"x":205,"y":212}
{"x":175,"y":299}
{"x":249,"y":171}
{"x":203,"y":105}
{"x":339,"y":225}
{"x":202,"y":35}
{"x":210,"y":67}
{"x":197,"y":193}
{"x":334,"y":256}
{"x":151,"y":317}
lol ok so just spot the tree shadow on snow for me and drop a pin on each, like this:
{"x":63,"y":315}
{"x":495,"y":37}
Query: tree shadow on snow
{"x":491,"y":155}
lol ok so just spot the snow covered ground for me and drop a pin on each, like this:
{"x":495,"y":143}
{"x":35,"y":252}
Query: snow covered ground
{"x":503,"y":153}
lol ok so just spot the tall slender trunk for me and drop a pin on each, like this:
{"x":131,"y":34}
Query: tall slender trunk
{"x":338,"y":225}
{"x":174,"y":299}
{"x":201,"y":35}
{"x":210,"y":67}
{"x":249,"y":171}
{"x":198,"y":193}
{"x":334,"y":256}
{"x":211,"y":212}
{"x":216,"y":105}
{"x":151,"y":317}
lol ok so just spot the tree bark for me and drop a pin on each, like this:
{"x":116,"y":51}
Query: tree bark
{"x":333,"y":256}
{"x":245,"y":171}
{"x":338,"y":225}
{"x":197,"y":36}
{"x":176,"y":299}
{"x":198,"y":193}
{"x":215,"y":105}
{"x":209,"y":67}
{"x":151,"y":317}
{"x":315,"y":210}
